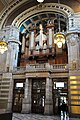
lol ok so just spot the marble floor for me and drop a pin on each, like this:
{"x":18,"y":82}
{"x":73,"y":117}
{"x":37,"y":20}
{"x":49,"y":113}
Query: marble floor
{"x":17,"y":116}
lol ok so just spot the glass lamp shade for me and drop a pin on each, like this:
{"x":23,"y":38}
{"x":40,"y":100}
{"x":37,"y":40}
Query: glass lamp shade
{"x":59,"y":44}
{"x":59,"y":39}
{"x":3,"y":46}
{"x":40,"y":1}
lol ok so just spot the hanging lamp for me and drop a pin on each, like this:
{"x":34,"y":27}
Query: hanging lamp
{"x":40,"y":1}
{"x":3,"y":46}
{"x":59,"y":37}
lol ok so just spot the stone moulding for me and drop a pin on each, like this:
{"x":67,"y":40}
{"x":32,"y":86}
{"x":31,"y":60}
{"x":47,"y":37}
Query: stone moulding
{"x":67,"y":11}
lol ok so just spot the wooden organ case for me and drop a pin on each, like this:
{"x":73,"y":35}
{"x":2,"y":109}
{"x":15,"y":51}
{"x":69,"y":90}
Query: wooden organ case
{"x":38,"y":47}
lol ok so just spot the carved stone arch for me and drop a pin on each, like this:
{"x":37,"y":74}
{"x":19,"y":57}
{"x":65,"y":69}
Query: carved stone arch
{"x":47,"y":7}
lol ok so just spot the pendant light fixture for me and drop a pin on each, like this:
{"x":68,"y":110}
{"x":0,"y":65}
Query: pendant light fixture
{"x":40,"y":1}
{"x":3,"y":46}
{"x":59,"y":37}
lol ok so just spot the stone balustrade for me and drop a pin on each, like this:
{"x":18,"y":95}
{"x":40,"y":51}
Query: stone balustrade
{"x":32,"y":67}
{"x":19,"y":69}
{"x":41,"y":67}
{"x":59,"y":66}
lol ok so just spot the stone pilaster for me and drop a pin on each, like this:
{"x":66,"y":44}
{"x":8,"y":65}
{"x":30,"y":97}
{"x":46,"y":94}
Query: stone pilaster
{"x":74,"y":73}
{"x":7,"y":61}
{"x":48,"y":97}
{"x":73,"y":50}
{"x":10,"y":95}
{"x":26,"y":106}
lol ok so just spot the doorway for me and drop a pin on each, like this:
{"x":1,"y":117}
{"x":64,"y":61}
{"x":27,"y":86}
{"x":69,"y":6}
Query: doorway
{"x":60,"y":93}
{"x":38,"y":95}
{"x":18,"y":94}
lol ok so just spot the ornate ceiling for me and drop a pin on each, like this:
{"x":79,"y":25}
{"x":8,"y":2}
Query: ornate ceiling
{"x":23,"y":13}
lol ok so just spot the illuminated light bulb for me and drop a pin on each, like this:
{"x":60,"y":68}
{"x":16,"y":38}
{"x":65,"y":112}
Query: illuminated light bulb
{"x":40,"y":1}
{"x":59,"y":39}
{"x":59,"y":44}
{"x":3,"y":46}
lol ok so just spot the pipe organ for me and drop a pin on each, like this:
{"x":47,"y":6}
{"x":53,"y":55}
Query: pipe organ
{"x":41,"y":47}
{"x":41,"y":43}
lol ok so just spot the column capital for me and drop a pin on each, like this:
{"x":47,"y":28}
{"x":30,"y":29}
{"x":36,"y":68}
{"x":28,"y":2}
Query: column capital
{"x":72,"y":38}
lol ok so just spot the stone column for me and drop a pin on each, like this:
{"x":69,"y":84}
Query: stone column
{"x":11,"y":56}
{"x":26,"y":106}
{"x":7,"y":61}
{"x":12,"y":37}
{"x":73,"y":50}
{"x":48,"y":97}
{"x":74,"y":73}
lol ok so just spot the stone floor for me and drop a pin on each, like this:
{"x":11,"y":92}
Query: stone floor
{"x":17,"y":116}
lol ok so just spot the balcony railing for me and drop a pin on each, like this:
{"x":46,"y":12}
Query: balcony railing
{"x":41,"y":67}
{"x":19,"y":69}
{"x":59,"y":67}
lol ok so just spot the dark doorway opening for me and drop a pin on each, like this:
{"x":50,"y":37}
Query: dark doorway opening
{"x":38,"y":95}
{"x":60,"y":93}
{"x":18,"y":94}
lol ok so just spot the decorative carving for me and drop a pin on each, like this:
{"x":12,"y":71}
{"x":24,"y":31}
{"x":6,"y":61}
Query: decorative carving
{"x":72,"y":39}
{"x":47,"y":6}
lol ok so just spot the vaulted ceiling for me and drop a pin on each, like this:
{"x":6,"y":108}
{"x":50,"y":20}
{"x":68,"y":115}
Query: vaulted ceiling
{"x":23,"y":13}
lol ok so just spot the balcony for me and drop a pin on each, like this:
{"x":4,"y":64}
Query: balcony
{"x":42,"y":67}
